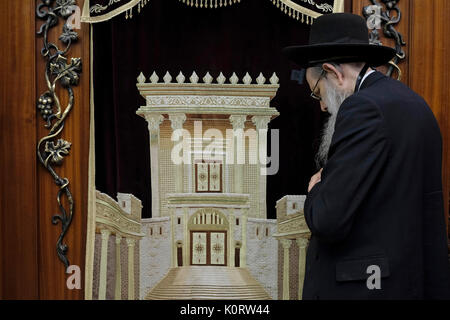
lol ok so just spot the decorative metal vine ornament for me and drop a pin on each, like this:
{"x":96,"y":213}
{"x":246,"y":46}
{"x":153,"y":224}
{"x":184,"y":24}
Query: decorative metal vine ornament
{"x":66,"y":73}
{"x":389,"y":20}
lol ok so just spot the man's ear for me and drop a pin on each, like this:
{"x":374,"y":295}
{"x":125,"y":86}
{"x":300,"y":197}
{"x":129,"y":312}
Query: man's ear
{"x":335,"y":72}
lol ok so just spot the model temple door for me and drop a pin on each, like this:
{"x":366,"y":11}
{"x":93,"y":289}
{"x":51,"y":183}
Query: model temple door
{"x":209,"y":248}
{"x":215,"y":177}
{"x":199,"y":247}
{"x":208,"y":177}
{"x":217,"y":248}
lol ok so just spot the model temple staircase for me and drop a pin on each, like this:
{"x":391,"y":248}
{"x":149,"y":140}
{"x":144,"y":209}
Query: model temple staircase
{"x":208,"y":282}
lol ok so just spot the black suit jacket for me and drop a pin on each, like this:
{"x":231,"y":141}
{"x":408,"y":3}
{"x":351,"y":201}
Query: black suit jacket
{"x":379,"y":201}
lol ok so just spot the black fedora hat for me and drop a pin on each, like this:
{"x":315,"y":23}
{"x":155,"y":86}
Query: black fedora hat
{"x":339,"y":37}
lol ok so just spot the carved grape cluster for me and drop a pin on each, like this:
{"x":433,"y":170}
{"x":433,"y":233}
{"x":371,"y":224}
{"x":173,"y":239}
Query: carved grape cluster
{"x":45,"y":106}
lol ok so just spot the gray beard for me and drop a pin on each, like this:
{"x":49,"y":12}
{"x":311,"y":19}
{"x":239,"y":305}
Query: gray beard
{"x":333,"y":99}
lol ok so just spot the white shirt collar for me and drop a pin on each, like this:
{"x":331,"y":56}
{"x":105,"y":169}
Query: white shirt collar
{"x":364,"y":78}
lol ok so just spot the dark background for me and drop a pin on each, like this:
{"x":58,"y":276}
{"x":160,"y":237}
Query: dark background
{"x":170,"y":36}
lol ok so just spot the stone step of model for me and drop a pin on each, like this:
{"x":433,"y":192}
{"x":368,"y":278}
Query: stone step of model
{"x":208,"y":282}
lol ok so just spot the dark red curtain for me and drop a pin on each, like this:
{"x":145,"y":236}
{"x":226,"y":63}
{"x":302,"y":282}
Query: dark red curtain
{"x":170,"y":36}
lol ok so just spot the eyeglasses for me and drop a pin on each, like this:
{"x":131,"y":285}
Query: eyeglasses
{"x":313,"y":94}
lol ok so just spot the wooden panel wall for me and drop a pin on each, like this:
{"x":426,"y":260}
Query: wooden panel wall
{"x":30,"y":268}
{"x":429,"y":67}
{"x":426,"y":68}
{"x":18,"y":190}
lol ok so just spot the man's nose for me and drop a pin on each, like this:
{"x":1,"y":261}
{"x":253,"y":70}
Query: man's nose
{"x":323,"y":106}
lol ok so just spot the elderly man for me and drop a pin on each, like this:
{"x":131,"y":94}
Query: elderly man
{"x":375,"y":209}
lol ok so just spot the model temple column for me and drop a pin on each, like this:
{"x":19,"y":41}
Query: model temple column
{"x":177,"y":120}
{"x":286,"y":243}
{"x":302,"y":244}
{"x":131,"y":243}
{"x":261,"y":123}
{"x":238,"y":123}
{"x":103,"y":264}
{"x":154,"y":121}
{"x":118,"y":278}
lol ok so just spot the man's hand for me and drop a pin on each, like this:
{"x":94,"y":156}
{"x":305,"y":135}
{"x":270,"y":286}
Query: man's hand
{"x":315,"y":179}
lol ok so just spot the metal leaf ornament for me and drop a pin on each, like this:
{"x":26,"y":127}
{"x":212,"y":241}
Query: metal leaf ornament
{"x":56,"y":152}
{"x":68,"y":35}
{"x":66,"y":8}
{"x":67,"y":74}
